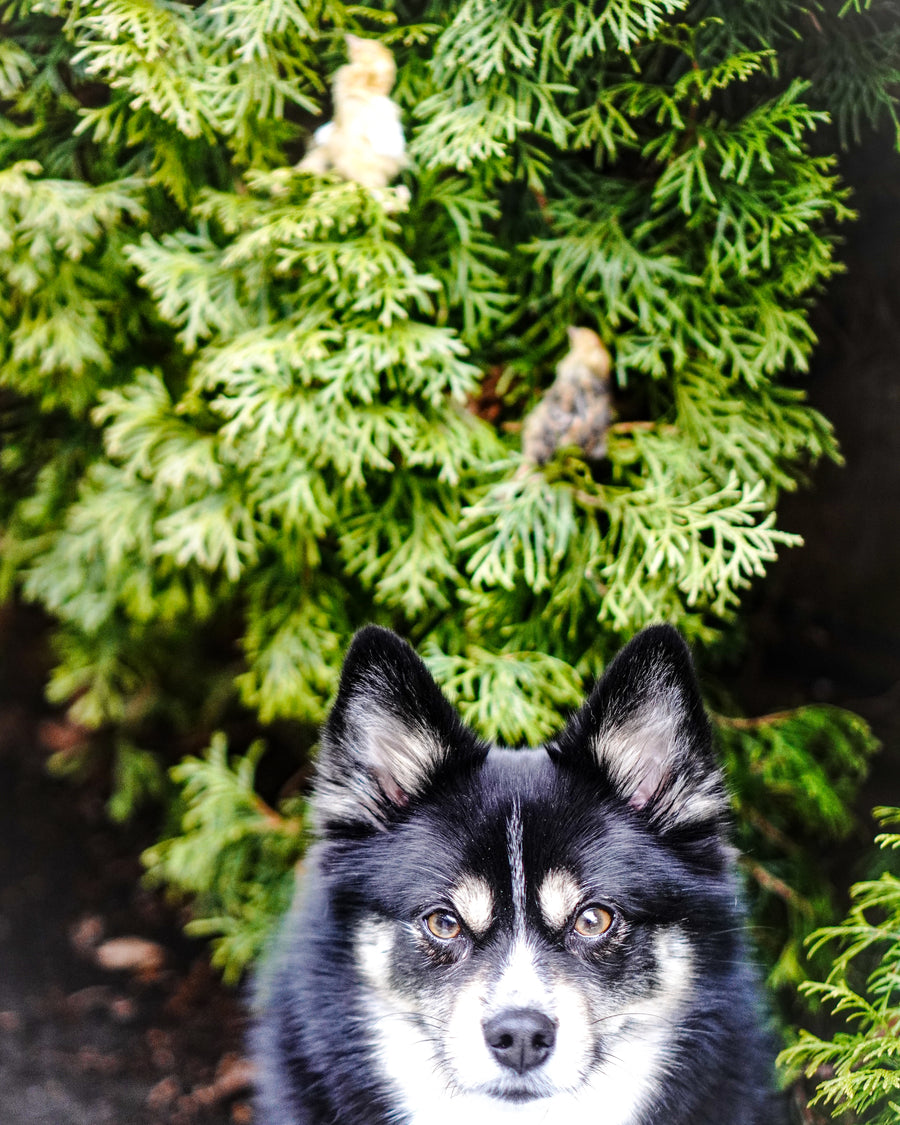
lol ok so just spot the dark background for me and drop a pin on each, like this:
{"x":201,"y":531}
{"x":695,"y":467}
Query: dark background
{"x":825,"y":624}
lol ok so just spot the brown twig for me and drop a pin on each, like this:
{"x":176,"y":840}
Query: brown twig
{"x":754,"y":723}
{"x":776,"y":886}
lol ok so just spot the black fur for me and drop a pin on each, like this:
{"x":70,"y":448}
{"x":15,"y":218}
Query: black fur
{"x":393,"y":839}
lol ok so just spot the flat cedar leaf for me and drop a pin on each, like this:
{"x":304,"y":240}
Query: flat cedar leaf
{"x":863,"y":1059}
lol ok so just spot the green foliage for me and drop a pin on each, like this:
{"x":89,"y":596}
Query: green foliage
{"x":247,"y":409}
{"x":795,"y":777}
{"x":234,"y":853}
{"x":479,"y":681}
{"x":137,"y":778}
{"x":858,"y":1069}
{"x":60,"y":256}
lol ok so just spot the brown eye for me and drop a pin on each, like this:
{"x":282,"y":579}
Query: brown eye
{"x":593,"y":921}
{"x":444,"y":925}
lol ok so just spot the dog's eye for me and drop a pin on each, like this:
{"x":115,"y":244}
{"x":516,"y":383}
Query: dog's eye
{"x":444,"y":925}
{"x":593,"y":921}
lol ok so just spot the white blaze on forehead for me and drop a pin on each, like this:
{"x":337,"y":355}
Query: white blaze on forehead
{"x":474,"y":900}
{"x":558,"y":896}
{"x":516,"y":867}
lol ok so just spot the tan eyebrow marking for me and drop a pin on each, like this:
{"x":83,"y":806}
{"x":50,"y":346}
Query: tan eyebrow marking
{"x":474,"y":900}
{"x":558,"y":896}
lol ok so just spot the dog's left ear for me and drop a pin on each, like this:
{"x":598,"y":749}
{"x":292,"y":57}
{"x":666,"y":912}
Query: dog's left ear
{"x":390,"y":734}
{"x":645,"y":727}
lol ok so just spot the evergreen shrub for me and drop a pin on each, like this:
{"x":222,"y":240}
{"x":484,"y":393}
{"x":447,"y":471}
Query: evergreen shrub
{"x":859,"y":1066}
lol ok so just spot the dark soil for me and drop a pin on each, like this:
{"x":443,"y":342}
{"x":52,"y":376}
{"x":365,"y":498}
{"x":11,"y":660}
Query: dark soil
{"x":80,"y":1044}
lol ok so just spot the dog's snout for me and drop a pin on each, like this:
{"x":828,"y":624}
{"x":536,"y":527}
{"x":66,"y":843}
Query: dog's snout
{"x":520,"y":1038}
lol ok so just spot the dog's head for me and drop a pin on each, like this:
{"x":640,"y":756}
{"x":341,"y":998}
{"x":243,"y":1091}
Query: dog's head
{"x":525,"y":924}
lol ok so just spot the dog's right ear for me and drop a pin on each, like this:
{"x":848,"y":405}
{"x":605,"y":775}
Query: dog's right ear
{"x":644,"y":728}
{"x":389,"y":734}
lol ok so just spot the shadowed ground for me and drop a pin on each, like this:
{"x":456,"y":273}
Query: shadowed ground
{"x":80,"y":1045}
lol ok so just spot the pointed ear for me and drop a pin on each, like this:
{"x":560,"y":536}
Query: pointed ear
{"x":389,"y":734}
{"x":645,"y":727}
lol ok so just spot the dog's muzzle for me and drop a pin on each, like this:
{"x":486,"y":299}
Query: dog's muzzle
{"x":520,"y":1038}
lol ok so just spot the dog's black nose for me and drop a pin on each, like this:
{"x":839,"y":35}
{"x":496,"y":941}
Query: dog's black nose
{"x":520,"y":1038}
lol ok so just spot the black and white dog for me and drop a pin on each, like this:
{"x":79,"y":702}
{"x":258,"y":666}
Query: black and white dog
{"x":486,"y":935}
